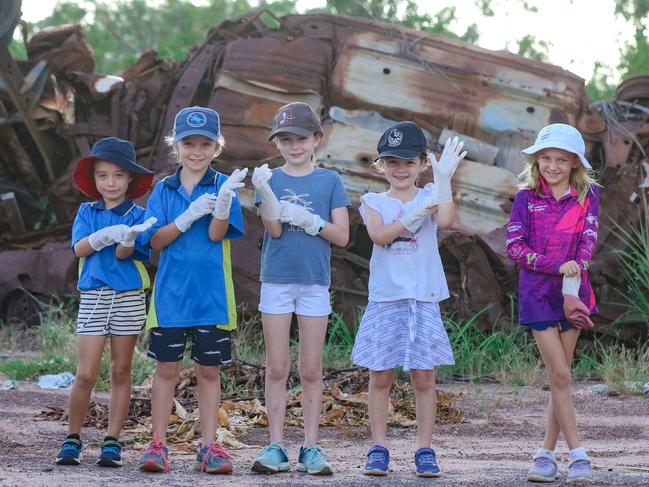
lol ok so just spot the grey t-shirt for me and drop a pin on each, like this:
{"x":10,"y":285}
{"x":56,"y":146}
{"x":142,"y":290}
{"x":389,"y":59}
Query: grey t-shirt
{"x":297,"y":257}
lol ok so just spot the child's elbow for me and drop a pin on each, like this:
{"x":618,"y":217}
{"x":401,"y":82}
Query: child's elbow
{"x":274,"y":232}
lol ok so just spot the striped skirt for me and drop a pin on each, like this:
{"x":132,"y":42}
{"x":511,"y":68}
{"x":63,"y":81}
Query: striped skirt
{"x":407,"y":333}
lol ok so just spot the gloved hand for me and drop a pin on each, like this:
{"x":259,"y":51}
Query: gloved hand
{"x":203,"y":205}
{"x":270,"y":208}
{"x":107,"y":236}
{"x":300,"y":217}
{"x":444,"y":169}
{"x":413,"y":220}
{"x":226,"y":193}
{"x":131,"y":233}
{"x":576,"y":312}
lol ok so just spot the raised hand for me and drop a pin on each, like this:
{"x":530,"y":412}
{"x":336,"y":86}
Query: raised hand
{"x":131,"y":233}
{"x":226,"y":193}
{"x":203,"y":205}
{"x":270,"y":207}
{"x":444,"y":168}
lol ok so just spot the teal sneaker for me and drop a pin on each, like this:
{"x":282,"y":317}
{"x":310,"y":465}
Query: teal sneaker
{"x":111,"y":454}
{"x":311,"y":460}
{"x":213,"y":459}
{"x":272,"y":458}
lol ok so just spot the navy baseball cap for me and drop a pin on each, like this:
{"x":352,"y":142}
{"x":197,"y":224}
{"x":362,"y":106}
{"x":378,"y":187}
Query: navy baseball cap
{"x":404,"y":140}
{"x":117,"y":151}
{"x":196,"y":121}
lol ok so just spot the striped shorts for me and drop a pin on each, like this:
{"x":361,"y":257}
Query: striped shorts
{"x":407,"y":333}
{"x":105,"y":311}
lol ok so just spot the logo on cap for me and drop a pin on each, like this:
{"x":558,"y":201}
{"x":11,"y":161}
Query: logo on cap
{"x":196,"y":119}
{"x":395,"y":137}
{"x":286,"y":116}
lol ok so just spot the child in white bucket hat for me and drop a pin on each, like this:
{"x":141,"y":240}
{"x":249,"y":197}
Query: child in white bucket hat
{"x":551,"y":234}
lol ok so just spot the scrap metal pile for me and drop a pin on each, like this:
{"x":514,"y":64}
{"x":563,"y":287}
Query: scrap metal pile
{"x":361,"y":76}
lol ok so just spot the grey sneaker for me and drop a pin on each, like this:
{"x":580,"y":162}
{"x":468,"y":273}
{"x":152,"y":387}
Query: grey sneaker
{"x":544,"y":469}
{"x":311,"y":460}
{"x":580,"y":470}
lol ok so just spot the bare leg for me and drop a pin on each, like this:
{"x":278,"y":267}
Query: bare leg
{"x":378,"y":402}
{"x":277,"y":330}
{"x":90,"y":349}
{"x":558,"y":368}
{"x":423,"y":381}
{"x":568,"y":341}
{"x":121,"y":363}
{"x":162,"y":396}
{"x":312,"y":336}
{"x":209,"y":400}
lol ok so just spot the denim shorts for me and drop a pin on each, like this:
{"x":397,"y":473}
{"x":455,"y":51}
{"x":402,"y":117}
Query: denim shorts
{"x":563,"y":325}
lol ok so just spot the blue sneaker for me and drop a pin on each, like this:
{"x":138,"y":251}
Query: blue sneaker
{"x":111,"y":454}
{"x":155,"y":457}
{"x":580,"y":471}
{"x":272,"y":458}
{"x":311,"y":460}
{"x":544,"y":469}
{"x":426,"y":463}
{"x":213,"y":459}
{"x":70,"y":453}
{"x":378,"y":461}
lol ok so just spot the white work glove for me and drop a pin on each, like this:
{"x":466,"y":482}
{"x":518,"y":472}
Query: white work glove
{"x":413,"y":220}
{"x":107,"y":236}
{"x":270,"y":208}
{"x":226,"y":193}
{"x":571,"y":285}
{"x":445,"y":167}
{"x":203,"y":205}
{"x":128,"y":240}
{"x":300,"y":217}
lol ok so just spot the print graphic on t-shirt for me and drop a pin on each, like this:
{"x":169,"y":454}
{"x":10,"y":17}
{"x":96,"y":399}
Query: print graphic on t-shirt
{"x":406,"y":243}
{"x":299,"y":199}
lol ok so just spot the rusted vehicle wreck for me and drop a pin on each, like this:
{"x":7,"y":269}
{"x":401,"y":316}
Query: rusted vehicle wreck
{"x":361,"y":75}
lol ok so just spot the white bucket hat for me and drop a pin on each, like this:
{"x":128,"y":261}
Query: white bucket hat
{"x":558,"y":136}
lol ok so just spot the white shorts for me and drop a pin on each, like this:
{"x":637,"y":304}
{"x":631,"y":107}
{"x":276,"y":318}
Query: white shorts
{"x":301,"y":299}
{"x":105,"y":311}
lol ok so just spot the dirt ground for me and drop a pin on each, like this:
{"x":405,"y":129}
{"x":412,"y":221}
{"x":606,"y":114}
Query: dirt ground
{"x":493,"y":446}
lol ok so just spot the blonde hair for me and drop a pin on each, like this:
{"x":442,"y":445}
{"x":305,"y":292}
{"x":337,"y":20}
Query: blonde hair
{"x":170,"y":141}
{"x":581,"y":179}
{"x":378,"y":164}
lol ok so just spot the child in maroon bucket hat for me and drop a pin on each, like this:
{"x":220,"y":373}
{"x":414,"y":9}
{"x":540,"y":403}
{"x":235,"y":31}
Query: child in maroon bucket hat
{"x":111,"y":282}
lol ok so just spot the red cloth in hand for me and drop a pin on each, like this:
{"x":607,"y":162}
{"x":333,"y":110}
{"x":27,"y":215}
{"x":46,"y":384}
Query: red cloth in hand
{"x":577,"y":312}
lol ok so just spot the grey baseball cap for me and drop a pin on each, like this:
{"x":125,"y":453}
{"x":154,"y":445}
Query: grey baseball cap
{"x":296,"y":118}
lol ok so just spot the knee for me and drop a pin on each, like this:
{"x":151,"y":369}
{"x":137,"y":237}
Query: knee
{"x":120,"y":373}
{"x":422,"y":380}
{"x":85,"y":379}
{"x":277,"y":370}
{"x":561,"y":378}
{"x":310,"y":373}
{"x":381,"y":380}
{"x":167,"y":370}
{"x":207,"y":373}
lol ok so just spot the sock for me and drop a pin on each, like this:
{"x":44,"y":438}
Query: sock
{"x":544,"y":452}
{"x":73,"y":436}
{"x":578,"y":454}
{"x":110,"y":438}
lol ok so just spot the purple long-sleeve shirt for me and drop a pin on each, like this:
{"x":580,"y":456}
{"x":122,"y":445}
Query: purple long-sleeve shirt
{"x":542,"y":234}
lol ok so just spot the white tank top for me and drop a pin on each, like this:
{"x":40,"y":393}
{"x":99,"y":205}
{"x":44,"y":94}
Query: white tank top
{"x":410,"y":267}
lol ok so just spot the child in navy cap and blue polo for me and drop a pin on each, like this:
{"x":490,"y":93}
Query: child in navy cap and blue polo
{"x":112,"y":280}
{"x":198,"y":212}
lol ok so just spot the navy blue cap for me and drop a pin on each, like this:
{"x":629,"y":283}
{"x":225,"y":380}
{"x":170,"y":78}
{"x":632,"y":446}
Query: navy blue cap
{"x":404,"y":140}
{"x":196,"y":121}
{"x":117,"y":151}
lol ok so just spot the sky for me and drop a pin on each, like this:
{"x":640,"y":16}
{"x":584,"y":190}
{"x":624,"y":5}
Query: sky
{"x":579,"y":32}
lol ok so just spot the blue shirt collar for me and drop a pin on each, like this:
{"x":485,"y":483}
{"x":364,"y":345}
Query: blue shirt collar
{"x":121,"y":209}
{"x":173,"y":180}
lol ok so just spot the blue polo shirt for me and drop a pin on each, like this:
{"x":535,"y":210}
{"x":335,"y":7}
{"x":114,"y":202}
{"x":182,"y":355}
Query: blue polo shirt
{"x":103,"y":268}
{"x":193,"y":284}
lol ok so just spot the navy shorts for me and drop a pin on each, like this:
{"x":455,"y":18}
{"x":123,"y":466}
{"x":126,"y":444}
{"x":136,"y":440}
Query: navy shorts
{"x":210,"y":345}
{"x":563,"y":325}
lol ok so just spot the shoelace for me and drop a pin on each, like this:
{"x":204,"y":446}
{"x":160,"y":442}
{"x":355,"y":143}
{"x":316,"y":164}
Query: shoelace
{"x":426,"y":458}
{"x":214,"y":449}
{"x":313,"y":452}
{"x":580,"y":465}
{"x":112,"y":449}
{"x":543,"y":462}
{"x":376,"y":457}
{"x":157,"y":448}
{"x":70,"y":447}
